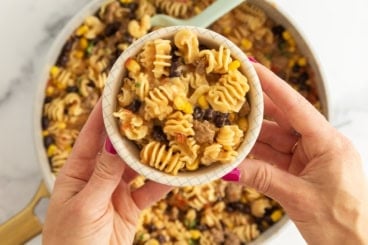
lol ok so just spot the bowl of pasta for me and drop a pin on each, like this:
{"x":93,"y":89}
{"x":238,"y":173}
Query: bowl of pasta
{"x":74,"y":76}
{"x":183,"y":106}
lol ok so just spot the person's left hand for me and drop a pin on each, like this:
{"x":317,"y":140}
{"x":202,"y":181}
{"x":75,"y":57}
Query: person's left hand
{"x":92,"y":202}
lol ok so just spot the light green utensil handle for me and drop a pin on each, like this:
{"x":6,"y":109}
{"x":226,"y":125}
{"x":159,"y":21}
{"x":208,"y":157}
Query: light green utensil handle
{"x":213,"y":12}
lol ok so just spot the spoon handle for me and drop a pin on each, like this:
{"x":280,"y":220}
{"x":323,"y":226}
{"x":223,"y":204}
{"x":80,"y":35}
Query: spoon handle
{"x":214,"y":12}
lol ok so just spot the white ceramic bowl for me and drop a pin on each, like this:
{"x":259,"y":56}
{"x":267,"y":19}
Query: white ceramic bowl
{"x":129,"y":152}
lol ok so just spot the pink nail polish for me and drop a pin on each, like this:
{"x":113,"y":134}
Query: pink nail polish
{"x":252,"y":59}
{"x":233,"y":176}
{"x":109,"y":147}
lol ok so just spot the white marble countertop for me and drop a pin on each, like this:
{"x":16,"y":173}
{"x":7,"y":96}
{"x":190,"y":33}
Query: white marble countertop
{"x":336,"y":31}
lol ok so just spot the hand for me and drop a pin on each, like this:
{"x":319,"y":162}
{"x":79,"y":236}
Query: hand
{"x":306,"y":165}
{"x":92,"y":202}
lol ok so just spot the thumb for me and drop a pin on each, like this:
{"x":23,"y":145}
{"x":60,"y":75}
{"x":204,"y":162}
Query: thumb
{"x":106,"y":176}
{"x":269,"y":180}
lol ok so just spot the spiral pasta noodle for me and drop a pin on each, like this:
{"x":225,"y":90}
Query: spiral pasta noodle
{"x":131,"y":125}
{"x":154,"y":154}
{"x":174,"y":8}
{"x":188,"y":45}
{"x":229,"y":94}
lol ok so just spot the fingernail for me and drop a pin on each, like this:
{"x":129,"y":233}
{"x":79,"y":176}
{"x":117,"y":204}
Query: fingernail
{"x":233,"y":176}
{"x":109,"y":147}
{"x":252,"y":59}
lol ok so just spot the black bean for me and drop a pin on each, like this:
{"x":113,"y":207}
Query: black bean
{"x":131,"y":6}
{"x":45,"y":121}
{"x":202,"y":227}
{"x":296,"y":68}
{"x":150,"y":228}
{"x":47,"y":99}
{"x":175,"y":63}
{"x":134,"y":106}
{"x":304,"y":87}
{"x":112,"y":28}
{"x":64,"y":54}
{"x":303,"y":77}
{"x":238,"y":206}
{"x":158,"y":134}
{"x":209,"y":115}
{"x":72,"y":89}
{"x":91,"y":84}
{"x":198,"y":113}
{"x":220,"y":119}
{"x":48,"y":140}
{"x":127,"y":38}
{"x":161,"y":238}
{"x":278,"y":30}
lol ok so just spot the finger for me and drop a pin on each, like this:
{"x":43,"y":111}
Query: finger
{"x":277,"y":137}
{"x":150,"y":193}
{"x":303,"y":117}
{"x":105,"y":178}
{"x":81,"y":161}
{"x":129,"y":175}
{"x":269,"y":180}
{"x":275,"y":114}
{"x":268,"y":154}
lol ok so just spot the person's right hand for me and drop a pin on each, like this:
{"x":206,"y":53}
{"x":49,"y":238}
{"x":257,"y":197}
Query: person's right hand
{"x":319,"y":181}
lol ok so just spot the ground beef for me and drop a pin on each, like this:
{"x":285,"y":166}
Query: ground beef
{"x":233,"y":192}
{"x":244,"y":111}
{"x":204,"y":132}
{"x":217,"y":235}
{"x":232,"y":239}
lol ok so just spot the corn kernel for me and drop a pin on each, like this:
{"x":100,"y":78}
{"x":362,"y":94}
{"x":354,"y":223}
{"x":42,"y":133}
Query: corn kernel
{"x":197,"y":10}
{"x":82,"y":30}
{"x":276,"y":215}
{"x":78,"y":54}
{"x":54,"y":71}
{"x":291,"y":49}
{"x":51,"y":150}
{"x":202,"y":102}
{"x":61,"y":125}
{"x":69,"y":149}
{"x":45,"y":133}
{"x":243,"y":124}
{"x":60,"y":86}
{"x":286,"y":35}
{"x":227,"y":30}
{"x":232,"y":117}
{"x":188,"y":108}
{"x":195,"y":234}
{"x":291,"y":63}
{"x":152,"y":242}
{"x":302,"y":61}
{"x":193,"y":166}
{"x":234,"y":65}
{"x":246,"y":44}
{"x":132,"y":65}
{"x":183,"y":105}
{"x":50,"y":91}
{"x":83,"y":43}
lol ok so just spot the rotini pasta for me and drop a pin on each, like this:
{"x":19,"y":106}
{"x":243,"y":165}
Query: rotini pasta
{"x":229,"y":94}
{"x":188,"y":108}
{"x":155,"y":155}
{"x":174,"y":8}
{"x":253,"y":32}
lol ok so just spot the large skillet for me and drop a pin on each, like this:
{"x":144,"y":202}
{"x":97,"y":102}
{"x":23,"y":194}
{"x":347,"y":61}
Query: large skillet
{"x":25,"y":225}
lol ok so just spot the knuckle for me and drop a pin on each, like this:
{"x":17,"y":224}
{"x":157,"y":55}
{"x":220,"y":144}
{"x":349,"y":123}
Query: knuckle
{"x":262,"y":179}
{"x":103,"y":170}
